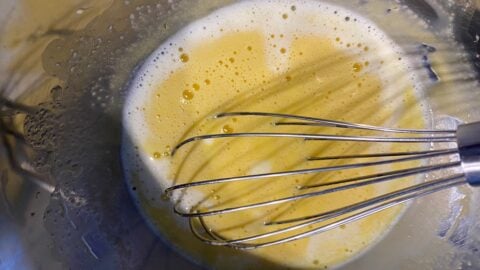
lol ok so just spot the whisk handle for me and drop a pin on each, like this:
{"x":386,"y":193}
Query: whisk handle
{"x":468,"y":140}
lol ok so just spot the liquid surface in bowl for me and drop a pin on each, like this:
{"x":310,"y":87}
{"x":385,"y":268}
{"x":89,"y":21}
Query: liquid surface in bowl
{"x":297,"y":57}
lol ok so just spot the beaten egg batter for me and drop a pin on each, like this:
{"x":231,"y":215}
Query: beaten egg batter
{"x":296,"y":57}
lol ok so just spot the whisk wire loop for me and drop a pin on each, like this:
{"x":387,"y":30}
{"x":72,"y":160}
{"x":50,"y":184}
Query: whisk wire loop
{"x":291,"y":229}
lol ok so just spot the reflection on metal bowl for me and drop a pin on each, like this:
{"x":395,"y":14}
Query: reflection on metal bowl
{"x":63,"y":200}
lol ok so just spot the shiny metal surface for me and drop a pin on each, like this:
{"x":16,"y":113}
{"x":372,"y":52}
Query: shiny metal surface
{"x":384,"y":202}
{"x":79,"y":215}
{"x":169,"y":190}
{"x":311,"y":121}
{"x":469,"y":150}
{"x":44,"y":224}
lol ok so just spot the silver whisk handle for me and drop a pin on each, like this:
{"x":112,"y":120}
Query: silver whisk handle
{"x":468,"y":139}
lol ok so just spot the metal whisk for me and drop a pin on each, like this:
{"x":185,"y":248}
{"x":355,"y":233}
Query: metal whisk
{"x":466,"y":137}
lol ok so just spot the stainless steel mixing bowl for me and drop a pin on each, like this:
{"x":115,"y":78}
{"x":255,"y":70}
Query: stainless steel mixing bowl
{"x":63,"y":200}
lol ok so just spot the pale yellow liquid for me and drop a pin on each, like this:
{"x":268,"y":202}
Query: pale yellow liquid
{"x":316,"y":76}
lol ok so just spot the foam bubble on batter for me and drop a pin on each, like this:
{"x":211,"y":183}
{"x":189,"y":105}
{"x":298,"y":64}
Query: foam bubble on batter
{"x":280,"y":22}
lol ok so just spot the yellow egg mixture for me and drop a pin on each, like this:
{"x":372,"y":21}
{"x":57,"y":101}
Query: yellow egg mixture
{"x":296,"y":57}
